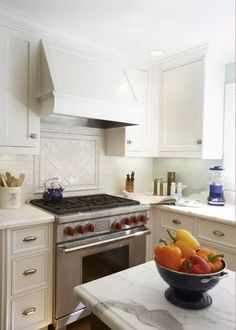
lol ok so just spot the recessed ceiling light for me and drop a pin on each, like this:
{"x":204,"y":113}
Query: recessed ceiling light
{"x":155,"y":52}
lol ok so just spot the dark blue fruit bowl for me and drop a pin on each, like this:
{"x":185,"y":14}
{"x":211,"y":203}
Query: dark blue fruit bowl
{"x":189,"y":290}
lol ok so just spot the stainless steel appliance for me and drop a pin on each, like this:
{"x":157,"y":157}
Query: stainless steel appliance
{"x":95,"y":235}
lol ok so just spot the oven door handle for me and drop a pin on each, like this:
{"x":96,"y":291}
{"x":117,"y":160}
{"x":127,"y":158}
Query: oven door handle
{"x":112,"y":240}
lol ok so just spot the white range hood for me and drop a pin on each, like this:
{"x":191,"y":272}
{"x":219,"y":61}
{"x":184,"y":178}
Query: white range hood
{"x":74,"y":84}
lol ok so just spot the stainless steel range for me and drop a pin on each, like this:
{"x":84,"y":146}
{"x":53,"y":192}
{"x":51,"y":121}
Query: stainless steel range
{"x":95,"y":235}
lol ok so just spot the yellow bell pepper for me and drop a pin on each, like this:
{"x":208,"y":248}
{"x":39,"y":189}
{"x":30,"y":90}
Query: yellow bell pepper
{"x":185,"y":236}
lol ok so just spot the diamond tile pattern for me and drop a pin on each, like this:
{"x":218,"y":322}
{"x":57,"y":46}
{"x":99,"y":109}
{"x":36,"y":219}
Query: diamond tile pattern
{"x":73,"y":158}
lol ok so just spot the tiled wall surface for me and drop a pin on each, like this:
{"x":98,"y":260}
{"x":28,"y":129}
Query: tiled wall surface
{"x":111,"y":170}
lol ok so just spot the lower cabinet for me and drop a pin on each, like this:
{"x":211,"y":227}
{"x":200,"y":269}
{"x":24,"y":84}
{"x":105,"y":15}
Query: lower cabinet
{"x":27,"y":268}
{"x":214,"y":235}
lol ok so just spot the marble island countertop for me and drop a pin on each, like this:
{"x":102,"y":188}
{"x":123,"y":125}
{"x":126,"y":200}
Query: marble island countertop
{"x":23,"y":216}
{"x":134,"y":300}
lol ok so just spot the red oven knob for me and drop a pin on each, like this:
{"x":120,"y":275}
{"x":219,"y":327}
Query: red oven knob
{"x":90,"y":227}
{"x":126,"y":221}
{"x":69,"y":231}
{"x":134,"y":219}
{"x":141,"y":218}
{"x":118,"y":226}
{"x":80,"y":229}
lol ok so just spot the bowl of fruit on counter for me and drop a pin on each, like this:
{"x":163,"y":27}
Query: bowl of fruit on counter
{"x":189,"y":269}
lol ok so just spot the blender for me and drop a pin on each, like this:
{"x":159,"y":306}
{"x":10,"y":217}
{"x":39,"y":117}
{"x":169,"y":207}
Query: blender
{"x":216,"y":193}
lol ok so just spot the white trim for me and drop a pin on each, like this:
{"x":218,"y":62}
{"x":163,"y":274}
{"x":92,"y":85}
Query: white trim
{"x":229,"y":137}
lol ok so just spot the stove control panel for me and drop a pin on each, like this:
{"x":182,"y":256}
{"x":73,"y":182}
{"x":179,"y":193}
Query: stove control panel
{"x":83,"y":229}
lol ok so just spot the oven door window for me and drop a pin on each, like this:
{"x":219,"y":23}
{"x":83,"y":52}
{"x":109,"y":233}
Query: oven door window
{"x":105,"y":263}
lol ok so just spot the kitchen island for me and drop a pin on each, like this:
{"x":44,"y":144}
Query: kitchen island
{"x":134,"y":300}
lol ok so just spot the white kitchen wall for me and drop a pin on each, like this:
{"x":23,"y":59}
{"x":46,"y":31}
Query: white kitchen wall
{"x":191,"y":172}
{"x":112,"y":171}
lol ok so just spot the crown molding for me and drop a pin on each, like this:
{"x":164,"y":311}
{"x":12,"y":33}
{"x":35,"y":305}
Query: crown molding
{"x":16,"y":20}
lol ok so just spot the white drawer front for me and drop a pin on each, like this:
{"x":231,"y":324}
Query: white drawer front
{"x":29,"y":272}
{"x":30,"y":312}
{"x":217,"y":232}
{"x":177,"y":221}
{"x":29,"y":239}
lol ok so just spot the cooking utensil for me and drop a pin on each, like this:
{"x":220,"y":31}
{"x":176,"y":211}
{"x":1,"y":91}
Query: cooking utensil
{"x":4,"y":181}
{"x":20,"y":180}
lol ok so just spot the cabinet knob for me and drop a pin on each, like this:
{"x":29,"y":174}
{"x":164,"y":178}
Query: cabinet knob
{"x":176,"y":221}
{"x":29,"y":271}
{"x":128,"y":141}
{"x":218,"y":233}
{"x":33,"y":136}
{"x":198,"y":142}
{"x":29,"y":311}
{"x":29,"y":238}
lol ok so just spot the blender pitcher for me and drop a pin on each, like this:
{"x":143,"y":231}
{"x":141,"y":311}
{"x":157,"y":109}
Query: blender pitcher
{"x":216,"y":193}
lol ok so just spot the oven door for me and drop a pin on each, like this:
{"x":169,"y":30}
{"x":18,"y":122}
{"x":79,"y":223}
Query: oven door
{"x":89,"y":259}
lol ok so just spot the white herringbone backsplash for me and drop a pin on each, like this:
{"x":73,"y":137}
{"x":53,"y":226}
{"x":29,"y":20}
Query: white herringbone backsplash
{"x":71,"y":157}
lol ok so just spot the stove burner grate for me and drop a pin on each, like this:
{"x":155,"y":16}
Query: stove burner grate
{"x":84,"y":203}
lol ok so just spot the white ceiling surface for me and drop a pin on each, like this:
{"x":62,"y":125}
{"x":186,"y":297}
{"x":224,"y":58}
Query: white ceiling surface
{"x":134,"y":27}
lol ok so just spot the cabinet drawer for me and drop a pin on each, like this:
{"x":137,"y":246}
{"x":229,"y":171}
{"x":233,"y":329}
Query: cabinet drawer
{"x":177,"y":221}
{"x":29,"y":272}
{"x":29,"y":239}
{"x":217,"y":232}
{"x":30,"y":312}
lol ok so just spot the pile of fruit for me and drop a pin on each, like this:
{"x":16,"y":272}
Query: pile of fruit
{"x":185,"y":254}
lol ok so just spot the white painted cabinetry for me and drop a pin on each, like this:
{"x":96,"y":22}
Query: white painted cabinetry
{"x":132,"y":140}
{"x":27,"y":277}
{"x":191,"y":105}
{"x":19,"y":124}
{"x":217,"y":236}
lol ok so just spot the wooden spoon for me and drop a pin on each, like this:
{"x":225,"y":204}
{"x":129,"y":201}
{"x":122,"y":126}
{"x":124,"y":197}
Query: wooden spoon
{"x":4,"y":181}
{"x":9,"y":177}
{"x":14,"y":182}
{"x":20,"y":180}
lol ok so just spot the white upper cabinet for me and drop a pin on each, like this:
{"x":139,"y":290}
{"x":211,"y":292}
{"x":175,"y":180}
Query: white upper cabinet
{"x":191,"y":105}
{"x":132,"y":140}
{"x":19,"y":124}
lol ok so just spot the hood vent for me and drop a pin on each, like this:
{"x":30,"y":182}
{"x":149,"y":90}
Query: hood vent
{"x":101,"y":93}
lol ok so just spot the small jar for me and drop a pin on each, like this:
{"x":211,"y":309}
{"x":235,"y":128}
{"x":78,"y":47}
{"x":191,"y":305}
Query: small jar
{"x":172,"y":188}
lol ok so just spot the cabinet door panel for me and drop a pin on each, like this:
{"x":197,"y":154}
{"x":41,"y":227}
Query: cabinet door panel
{"x":18,"y":67}
{"x":181,"y":110}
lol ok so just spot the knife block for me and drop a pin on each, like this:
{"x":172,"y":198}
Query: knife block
{"x":129,"y":186}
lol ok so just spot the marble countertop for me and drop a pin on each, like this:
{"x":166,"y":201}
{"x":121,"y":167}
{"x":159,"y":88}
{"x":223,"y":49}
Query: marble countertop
{"x":23,"y":216}
{"x":224,"y":214}
{"x":134,"y":300}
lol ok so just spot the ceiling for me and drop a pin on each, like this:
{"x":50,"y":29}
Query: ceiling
{"x":134,"y":27}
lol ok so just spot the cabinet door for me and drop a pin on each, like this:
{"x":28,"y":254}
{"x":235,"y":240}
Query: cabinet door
{"x":181,"y":107}
{"x":132,"y":140}
{"x":136,"y":136}
{"x":19,"y":125}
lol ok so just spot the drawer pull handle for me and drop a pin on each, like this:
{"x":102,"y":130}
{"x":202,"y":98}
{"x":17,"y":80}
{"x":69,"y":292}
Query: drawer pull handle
{"x":29,"y":311}
{"x":218,"y":233}
{"x":176,"y":221}
{"x":33,"y":136}
{"x":29,"y":271}
{"x":29,"y":238}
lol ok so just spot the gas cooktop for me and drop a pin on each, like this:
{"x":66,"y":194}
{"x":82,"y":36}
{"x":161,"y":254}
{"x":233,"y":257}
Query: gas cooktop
{"x":84,"y":203}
